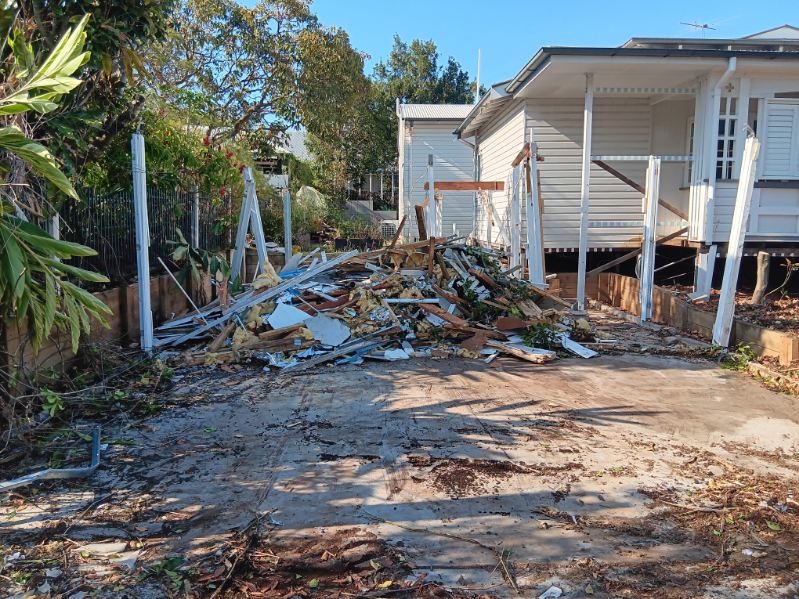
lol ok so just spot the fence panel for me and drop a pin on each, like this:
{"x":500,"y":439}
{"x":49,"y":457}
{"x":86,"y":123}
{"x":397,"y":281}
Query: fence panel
{"x":105,"y":222}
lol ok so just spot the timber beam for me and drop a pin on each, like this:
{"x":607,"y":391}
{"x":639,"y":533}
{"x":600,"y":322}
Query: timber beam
{"x":467,"y":185}
{"x":625,"y":179}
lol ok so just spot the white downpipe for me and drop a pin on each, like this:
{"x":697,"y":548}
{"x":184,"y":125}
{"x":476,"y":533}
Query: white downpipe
{"x":142,"y":240}
{"x":710,"y":148}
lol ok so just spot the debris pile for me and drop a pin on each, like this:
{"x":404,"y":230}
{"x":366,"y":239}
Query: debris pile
{"x":432,"y":298}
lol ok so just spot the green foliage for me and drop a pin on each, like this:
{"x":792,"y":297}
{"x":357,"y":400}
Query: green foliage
{"x":413,"y":74}
{"x":233,"y":67}
{"x":739,"y":359}
{"x":198,"y":263}
{"x":52,"y":402}
{"x":541,"y":334}
{"x":33,"y":283}
{"x":83,"y":121}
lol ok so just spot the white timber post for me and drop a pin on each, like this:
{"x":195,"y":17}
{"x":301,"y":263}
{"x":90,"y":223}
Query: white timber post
{"x":741,"y":122}
{"x":586,"y":177}
{"x":256,"y":227}
{"x":647,"y":276}
{"x":195,"y":217}
{"x":535,"y":235}
{"x":431,"y":199}
{"x":515,"y":223}
{"x":142,"y":240}
{"x":743,"y":199}
{"x":241,"y":234}
{"x":287,"y":247}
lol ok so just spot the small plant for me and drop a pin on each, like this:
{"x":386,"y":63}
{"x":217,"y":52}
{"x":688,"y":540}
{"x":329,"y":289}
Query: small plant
{"x":738,"y":359}
{"x":541,"y":334}
{"x":170,"y":569}
{"x":52,"y":402}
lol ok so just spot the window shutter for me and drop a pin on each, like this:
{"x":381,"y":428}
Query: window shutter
{"x":781,"y":159}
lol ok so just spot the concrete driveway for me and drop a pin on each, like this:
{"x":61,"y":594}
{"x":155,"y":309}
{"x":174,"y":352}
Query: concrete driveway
{"x":604,"y":477}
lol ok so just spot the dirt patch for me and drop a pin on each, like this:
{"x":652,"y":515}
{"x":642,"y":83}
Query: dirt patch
{"x":468,"y":478}
{"x":349,"y":562}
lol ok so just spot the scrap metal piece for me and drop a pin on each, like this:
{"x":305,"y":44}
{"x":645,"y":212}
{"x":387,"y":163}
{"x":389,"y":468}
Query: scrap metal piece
{"x":59,"y":473}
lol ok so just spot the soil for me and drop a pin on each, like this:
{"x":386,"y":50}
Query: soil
{"x":780,"y":313}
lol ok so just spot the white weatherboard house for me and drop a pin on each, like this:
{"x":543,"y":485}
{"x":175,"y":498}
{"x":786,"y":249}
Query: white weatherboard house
{"x":689,"y":101}
{"x":426,"y":129}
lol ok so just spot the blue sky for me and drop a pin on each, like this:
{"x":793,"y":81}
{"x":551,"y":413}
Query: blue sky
{"x":508,"y":33}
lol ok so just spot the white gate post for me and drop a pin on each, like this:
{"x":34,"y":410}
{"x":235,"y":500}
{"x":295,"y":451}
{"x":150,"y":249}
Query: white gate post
{"x":732,"y":264}
{"x":195,"y":217}
{"x":142,"y":240}
{"x":647,"y":276}
{"x":287,"y":224}
{"x":586,"y":178}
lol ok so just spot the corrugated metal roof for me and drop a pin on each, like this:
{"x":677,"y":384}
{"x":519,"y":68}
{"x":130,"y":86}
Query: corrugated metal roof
{"x":432,"y":112}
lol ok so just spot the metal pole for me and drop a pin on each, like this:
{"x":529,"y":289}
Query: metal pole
{"x":195,"y":217}
{"x":287,"y":224}
{"x":586,"y":178}
{"x":142,"y":240}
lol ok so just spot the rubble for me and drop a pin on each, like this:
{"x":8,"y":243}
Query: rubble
{"x":434,"y":298}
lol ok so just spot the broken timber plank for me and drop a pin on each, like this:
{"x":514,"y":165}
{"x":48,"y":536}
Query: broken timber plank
{"x":531,"y":354}
{"x":625,"y":179}
{"x":399,"y":232}
{"x":247,"y":302}
{"x":420,"y":222}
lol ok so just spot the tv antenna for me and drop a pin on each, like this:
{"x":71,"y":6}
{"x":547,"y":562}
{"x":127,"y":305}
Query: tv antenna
{"x":703,"y":27}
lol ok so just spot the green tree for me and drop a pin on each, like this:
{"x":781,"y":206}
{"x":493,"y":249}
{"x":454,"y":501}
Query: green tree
{"x":33,"y":276}
{"x":231,"y":68}
{"x":334,"y":102}
{"x":413,"y":74}
{"x":117,"y":36}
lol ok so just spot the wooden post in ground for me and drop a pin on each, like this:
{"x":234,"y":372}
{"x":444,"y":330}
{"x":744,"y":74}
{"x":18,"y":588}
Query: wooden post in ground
{"x":759,"y":296}
{"x":420,"y":225}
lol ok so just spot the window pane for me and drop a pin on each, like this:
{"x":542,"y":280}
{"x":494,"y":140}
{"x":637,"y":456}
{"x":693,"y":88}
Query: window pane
{"x":733,"y":105}
{"x":721,"y":126}
{"x":719,"y":171}
{"x":731,"y":148}
{"x":731,"y":128}
{"x":720,"y":148}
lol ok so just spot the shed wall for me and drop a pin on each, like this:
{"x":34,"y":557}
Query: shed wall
{"x":453,"y":161}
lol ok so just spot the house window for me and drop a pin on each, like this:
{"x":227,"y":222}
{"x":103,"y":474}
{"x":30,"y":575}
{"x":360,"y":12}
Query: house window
{"x":725,"y":145}
{"x":781,"y":139}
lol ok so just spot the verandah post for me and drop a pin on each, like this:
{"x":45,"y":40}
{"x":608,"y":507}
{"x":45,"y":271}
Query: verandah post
{"x":586,"y":176}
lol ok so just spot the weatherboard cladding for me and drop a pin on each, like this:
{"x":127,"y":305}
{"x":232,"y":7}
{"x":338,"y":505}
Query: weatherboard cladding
{"x":620,"y":126}
{"x":453,"y":161}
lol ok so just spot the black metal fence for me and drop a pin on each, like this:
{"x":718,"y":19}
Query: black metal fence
{"x":106,"y":223}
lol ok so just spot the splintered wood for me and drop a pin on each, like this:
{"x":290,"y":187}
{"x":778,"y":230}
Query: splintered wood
{"x":432,"y":298}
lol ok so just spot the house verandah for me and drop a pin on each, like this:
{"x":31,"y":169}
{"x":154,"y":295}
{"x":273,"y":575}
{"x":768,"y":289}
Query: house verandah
{"x":596,"y":115}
